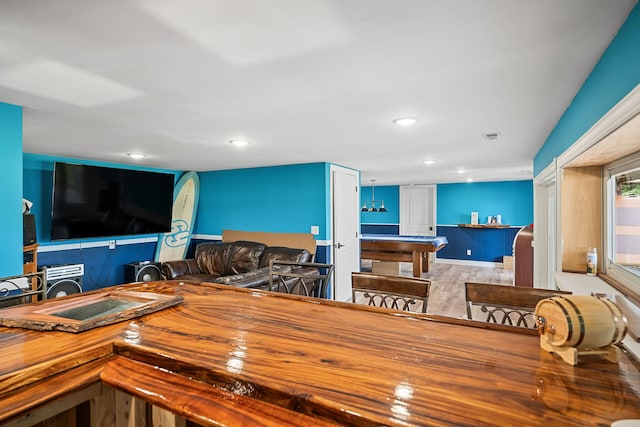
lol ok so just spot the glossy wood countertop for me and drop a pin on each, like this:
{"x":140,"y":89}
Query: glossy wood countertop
{"x":293,"y":360}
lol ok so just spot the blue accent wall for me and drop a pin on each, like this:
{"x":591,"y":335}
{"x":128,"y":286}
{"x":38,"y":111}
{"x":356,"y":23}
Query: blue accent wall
{"x":103,"y":266}
{"x":37,"y":174}
{"x":391,"y":196}
{"x":285,"y":199}
{"x":511,"y":199}
{"x":280,"y":199}
{"x":614,"y":76}
{"x":11,"y":258}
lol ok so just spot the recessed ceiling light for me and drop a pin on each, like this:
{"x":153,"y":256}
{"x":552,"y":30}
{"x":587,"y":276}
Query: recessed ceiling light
{"x":136,"y":156}
{"x":469,"y":179}
{"x":406,"y":121}
{"x":239,"y":142}
{"x":461,"y":171}
{"x":428,"y":162}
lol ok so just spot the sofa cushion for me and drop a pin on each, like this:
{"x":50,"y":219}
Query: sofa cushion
{"x":284,"y":254}
{"x":197,"y":277}
{"x":227,"y":258}
{"x":211,"y":257}
{"x":253,"y":278}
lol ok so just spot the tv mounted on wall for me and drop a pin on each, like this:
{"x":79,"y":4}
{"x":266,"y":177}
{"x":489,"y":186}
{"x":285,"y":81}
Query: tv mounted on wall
{"x":96,"y":201}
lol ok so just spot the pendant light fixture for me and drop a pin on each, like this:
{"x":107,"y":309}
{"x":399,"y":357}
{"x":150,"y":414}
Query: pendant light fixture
{"x":371,"y":205}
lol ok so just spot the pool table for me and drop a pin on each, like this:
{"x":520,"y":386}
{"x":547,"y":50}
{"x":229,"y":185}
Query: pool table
{"x":414,"y":249}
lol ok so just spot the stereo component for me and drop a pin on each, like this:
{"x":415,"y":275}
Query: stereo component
{"x":145,"y":271}
{"x":63,"y":280}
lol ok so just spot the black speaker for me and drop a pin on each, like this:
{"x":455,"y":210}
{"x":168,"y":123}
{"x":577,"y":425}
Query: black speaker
{"x":28,"y":229}
{"x":64,"y":287}
{"x":145,"y":271}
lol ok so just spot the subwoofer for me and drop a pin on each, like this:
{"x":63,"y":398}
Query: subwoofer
{"x":64,"y":287}
{"x":63,"y":280}
{"x":145,"y":271}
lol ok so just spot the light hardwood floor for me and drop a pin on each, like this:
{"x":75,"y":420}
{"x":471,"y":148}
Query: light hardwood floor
{"x":446,"y":295}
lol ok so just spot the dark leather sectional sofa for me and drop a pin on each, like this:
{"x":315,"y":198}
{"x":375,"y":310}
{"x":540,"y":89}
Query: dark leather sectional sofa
{"x":242,"y":263}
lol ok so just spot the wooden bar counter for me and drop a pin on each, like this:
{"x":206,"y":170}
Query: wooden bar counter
{"x":228,"y":356}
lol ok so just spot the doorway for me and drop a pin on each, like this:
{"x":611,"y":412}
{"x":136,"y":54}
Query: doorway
{"x":418,"y":210}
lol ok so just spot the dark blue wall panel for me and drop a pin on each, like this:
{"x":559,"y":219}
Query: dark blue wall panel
{"x":485,"y":244}
{"x":102,"y":266}
{"x":393,"y":229}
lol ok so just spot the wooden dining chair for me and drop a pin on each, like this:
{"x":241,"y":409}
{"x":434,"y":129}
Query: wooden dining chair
{"x":505,"y":304}
{"x":396,"y":292}
{"x":300,"y":278}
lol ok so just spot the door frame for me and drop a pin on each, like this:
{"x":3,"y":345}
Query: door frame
{"x":545,"y":218}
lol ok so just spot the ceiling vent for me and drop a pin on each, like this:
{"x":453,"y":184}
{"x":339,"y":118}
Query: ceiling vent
{"x":491,"y":136}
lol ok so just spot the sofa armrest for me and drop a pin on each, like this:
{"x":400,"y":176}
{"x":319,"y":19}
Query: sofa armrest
{"x":173,"y":269}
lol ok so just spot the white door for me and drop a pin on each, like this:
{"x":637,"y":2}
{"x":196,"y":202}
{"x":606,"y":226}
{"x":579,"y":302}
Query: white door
{"x":345,"y":223}
{"x":418,"y":210}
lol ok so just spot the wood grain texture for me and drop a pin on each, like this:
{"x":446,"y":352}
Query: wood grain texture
{"x":623,"y":141}
{"x":400,"y":251}
{"x":47,"y":396}
{"x":392,"y":291}
{"x":213,"y":405}
{"x":581,"y":216}
{"x":49,"y":315}
{"x":351,"y":364}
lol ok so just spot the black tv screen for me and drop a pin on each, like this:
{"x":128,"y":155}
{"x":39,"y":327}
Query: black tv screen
{"x":96,"y":201}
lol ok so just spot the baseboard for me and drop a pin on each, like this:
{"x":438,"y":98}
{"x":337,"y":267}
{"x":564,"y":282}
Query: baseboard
{"x":470,"y":263}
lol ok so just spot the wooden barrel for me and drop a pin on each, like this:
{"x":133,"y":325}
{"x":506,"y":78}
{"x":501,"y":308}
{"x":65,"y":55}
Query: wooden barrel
{"x":580,"y":321}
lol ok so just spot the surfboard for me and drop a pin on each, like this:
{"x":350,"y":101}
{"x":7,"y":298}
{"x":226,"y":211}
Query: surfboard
{"x":174,"y":244}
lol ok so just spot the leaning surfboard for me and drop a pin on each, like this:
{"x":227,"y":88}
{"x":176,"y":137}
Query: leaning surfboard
{"x":174,"y":244}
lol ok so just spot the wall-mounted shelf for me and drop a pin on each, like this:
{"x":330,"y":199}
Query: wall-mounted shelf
{"x":484,"y":225}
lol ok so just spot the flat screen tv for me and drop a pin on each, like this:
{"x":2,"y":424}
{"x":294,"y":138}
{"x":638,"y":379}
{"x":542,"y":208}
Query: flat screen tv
{"x":96,"y":201}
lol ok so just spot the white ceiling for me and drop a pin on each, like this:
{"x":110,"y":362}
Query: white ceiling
{"x":302,"y":80}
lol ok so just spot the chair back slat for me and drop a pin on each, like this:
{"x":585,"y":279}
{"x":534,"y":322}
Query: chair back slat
{"x":505,"y":304}
{"x":300,"y":278}
{"x":388,"y":291}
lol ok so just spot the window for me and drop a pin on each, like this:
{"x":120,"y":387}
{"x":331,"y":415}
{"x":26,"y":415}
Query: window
{"x":622,"y":231}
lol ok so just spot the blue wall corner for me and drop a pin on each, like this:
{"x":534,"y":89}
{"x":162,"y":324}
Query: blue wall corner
{"x":614,"y":76}
{"x":11,"y":193}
